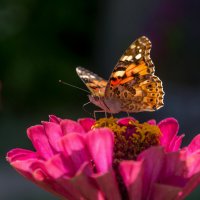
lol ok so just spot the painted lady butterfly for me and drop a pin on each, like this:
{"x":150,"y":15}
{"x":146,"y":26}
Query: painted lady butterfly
{"x":132,"y":86}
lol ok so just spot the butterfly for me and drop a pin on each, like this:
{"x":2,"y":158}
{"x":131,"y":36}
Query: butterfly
{"x":132,"y":86}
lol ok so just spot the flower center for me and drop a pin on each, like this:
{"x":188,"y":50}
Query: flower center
{"x":131,"y":138}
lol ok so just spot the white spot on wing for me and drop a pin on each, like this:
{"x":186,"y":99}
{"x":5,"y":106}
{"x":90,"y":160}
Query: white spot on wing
{"x":119,"y":73}
{"x":124,"y":58}
{"x":92,"y":76}
{"x":132,"y":46}
{"x":84,"y":76}
{"x":129,"y":58}
{"x":138,"y":56}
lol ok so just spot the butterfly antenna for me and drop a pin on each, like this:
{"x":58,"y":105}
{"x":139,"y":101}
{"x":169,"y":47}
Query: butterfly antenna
{"x":60,"y":81}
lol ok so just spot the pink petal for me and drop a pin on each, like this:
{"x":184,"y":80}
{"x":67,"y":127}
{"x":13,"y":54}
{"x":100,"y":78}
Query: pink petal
{"x":54,"y":133}
{"x":179,"y":167}
{"x":108,"y":185}
{"x":75,"y":150}
{"x":192,"y":183}
{"x":39,"y":171}
{"x":169,"y":128}
{"x":54,"y":119}
{"x":194,"y":145}
{"x":153,"y":160}
{"x":193,"y":164}
{"x":71,"y":192}
{"x":174,"y":170}
{"x":82,"y":186}
{"x":70,"y":126}
{"x":51,"y":185}
{"x":164,"y":192}
{"x":69,"y":186}
{"x":22,"y":160}
{"x":20,"y":154}
{"x":40,"y":141}
{"x":86,"y":123}
{"x":88,"y":190}
{"x":152,"y":122}
{"x":176,"y":143}
{"x":24,"y":167}
{"x":55,"y":188}
{"x":125,"y":121}
{"x":132,"y":172}
{"x":40,"y":177}
{"x":100,"y":144}
{"x":35,"y":170}
{"x":57,"y":167}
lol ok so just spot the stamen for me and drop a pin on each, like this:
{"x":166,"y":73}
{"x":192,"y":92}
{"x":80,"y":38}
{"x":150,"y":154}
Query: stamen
{"x":110,"y":123}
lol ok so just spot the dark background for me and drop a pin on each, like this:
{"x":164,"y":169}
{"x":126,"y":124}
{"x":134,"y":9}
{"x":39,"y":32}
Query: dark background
{"x":43,"y":41}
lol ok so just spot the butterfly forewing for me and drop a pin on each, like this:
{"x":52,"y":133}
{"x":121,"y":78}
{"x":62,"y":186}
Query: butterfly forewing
{"x":94,"y":83}
{"x":133,"y":82}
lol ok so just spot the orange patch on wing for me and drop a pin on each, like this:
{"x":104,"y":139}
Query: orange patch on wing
{"x":100,"y":83}
{"x":144,"y":72}
{"x":134,"y":69}
{"x":140,"y":68}
{"x":129,"y":70}
{"x":126,"y":80}
{"x":116,"y":82}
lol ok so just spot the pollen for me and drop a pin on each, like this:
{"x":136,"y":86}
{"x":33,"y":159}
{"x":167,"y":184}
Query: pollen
{"x":110,"y":123}
{"x":130,"y":139}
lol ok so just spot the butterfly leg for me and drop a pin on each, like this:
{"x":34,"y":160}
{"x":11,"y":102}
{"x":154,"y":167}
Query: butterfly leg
{"x":99,"y":111}
{"x":111,"y":115}
{"x":83,"y":107}
{"x":106,"y":114}
{"x":128,"y":114}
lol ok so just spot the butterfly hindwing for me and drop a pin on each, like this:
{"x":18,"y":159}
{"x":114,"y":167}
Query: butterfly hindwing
{"x":133,"y":82}
{"x":94,"y":83}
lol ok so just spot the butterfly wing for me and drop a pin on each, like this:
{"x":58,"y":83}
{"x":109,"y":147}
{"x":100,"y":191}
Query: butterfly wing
{"x":94,"y":83}
{"x":133,"y":82}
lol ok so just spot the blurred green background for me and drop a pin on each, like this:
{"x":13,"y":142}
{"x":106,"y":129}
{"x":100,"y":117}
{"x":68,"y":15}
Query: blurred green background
{"x":43,"y":41}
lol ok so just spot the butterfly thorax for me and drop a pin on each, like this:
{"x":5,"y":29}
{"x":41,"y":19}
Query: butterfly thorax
{"x":106,"y":104}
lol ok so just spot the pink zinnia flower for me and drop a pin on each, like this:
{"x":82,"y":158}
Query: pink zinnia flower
{"x":110,"y":159}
